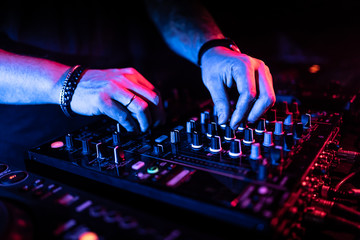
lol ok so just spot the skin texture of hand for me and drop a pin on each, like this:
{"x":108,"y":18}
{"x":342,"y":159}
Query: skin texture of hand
{"x":109,"y":91}
{"x":221,"y":68}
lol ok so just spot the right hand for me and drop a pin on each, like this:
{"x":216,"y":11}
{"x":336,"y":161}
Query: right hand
{"x":109,"y":91}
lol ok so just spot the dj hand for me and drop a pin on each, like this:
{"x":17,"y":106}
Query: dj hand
{"x":122,"y":94}
{"x":221,"y":68}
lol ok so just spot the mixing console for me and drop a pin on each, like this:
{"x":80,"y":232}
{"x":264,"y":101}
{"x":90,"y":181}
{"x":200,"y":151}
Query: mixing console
{"x":272,"y":177}
{"x":34,"y":207}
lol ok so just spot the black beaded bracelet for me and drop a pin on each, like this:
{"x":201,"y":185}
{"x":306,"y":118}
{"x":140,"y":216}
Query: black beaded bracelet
{"x":67,"y":92}
{"x":226,"y":42}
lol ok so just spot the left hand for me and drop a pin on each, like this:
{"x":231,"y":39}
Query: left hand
{"x":221,"y":67}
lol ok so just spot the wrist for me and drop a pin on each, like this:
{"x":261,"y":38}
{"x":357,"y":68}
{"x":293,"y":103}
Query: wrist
{"x":225,"y":42}
{"x":69,"y":84}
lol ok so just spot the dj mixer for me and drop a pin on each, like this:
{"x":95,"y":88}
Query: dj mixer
{"x":282,"y":177}
{"x":34,"y":207}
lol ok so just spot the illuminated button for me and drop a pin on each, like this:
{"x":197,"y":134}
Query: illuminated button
{"x":88,"y":236}
{"x":13,"y":178}
{"x":57,"y":144}
{"x":83,"y":206}
{"x":153,"y":169}
{"x":138,"y":165}
{"x":175,"y":180}
{"x":67,"y":199}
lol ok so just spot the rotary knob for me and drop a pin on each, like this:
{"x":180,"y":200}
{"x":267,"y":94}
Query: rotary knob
{"x":235,"y":148}
{"x":215,"y":144}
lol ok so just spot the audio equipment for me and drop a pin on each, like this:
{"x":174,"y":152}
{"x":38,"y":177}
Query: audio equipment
{"x":279,"y":177}
{"x":35,"y":207}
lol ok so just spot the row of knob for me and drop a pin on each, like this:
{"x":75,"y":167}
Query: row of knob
{"x":276,"y":135}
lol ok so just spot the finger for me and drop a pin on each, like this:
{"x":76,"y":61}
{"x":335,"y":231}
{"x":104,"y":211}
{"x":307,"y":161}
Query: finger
{"x":138,"y":107}
{"x":140,"y":79}
{"x":140,"y":110}
{"x":133,"y":80}
{"x":266,"y":98}
{"x":246,"y":86}
{"x":220,"y":99}
{"x":119,"y":113}
{"x":146,"y":93}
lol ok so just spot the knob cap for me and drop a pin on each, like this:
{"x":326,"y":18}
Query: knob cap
{"x":306,"y":120}
{"x":215,"y":144}
{"x":277,"y":155}
{"x":271,"y":115}
{"x":279,"y":128}
{"x":284,"y":107}
{"x":175,"y":136}
{"x":235,"y":148}
{"x":288,"y":141}
{"x":190,"y":126}
{"x":204,"y":117}
{"x":294,"y":108}
{"x":255,"y":153}
{"x":260,"y":126}
{"x":248,"y":136}
{"x":268,"y":139}
{"x":229,"y":133}
{"x":212,"y":129}
{"x":158,"y":149}
{"x":196,"y":140}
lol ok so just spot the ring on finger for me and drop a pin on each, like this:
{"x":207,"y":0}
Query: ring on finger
{"x":131,"y":100}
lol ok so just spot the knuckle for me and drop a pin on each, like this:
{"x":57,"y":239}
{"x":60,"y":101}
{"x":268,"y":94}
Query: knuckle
{"x":270,"y":100}
{"x":251,"y":96}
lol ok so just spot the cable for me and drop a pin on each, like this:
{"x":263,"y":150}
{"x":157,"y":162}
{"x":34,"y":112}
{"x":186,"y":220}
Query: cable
{"x":350,"y":175}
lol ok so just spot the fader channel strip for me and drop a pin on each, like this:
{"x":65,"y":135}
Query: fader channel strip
{"x":249,"y":177}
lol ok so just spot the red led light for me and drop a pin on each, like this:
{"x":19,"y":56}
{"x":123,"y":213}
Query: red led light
{"x":57,"y":144}
{"x":314,"y":68}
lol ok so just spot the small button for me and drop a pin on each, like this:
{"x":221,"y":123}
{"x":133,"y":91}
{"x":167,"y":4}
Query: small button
{"x":153,"y":169}
{"x":138,"y":165}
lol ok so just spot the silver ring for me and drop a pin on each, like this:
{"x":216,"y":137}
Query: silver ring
{"x":132,"y":99}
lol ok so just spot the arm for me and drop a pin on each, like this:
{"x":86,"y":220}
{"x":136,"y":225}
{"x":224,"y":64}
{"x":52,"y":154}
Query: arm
{"x":186,"y":26}
{"x":29,"y":80}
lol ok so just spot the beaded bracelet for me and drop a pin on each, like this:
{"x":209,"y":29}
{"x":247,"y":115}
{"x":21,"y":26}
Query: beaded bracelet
{"x":226,"y":42}
{"x":67,"y":92}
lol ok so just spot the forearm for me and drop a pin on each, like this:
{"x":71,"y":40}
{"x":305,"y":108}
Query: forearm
{"x":29,"y":80}
{"x":185,"y":25}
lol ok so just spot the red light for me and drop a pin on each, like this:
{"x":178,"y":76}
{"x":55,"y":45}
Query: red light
{"x":57,"y":144}
{"x":314,"y":68}
{"x":89,"y":236}
{"x":12,"y":177}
